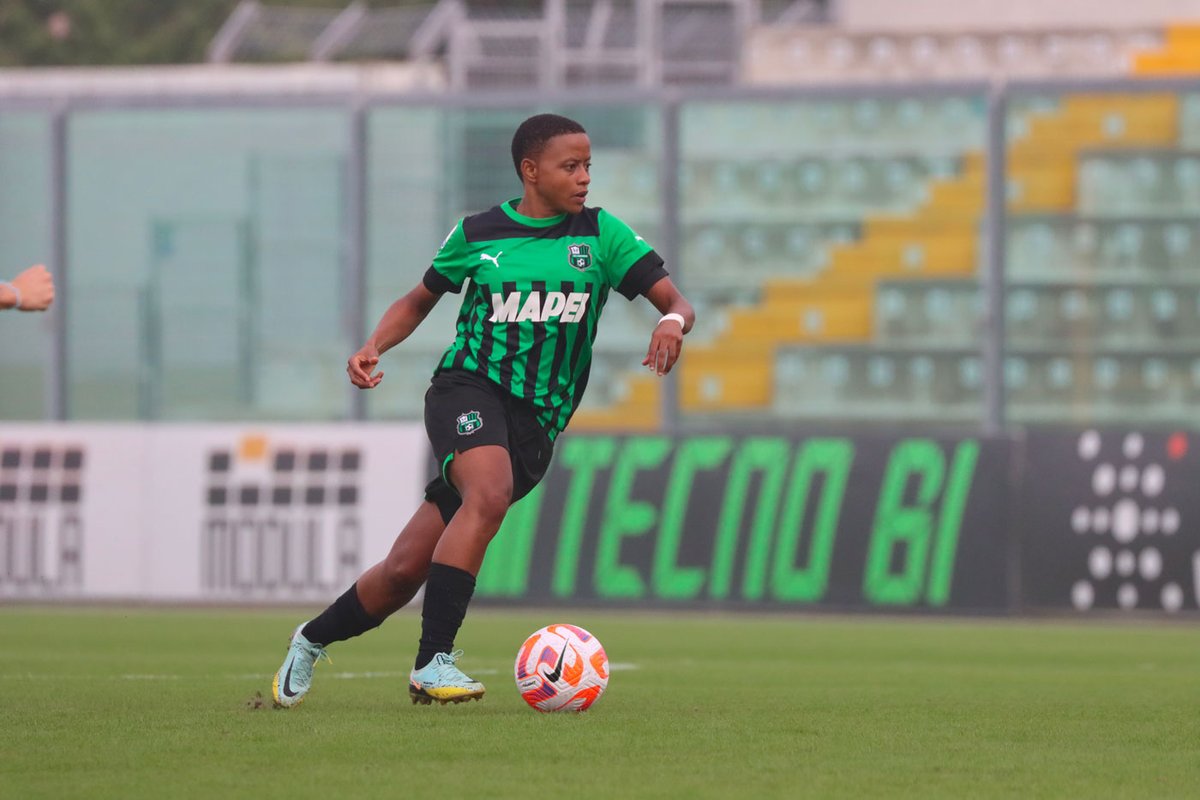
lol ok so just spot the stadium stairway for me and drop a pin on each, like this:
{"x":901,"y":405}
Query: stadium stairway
{"x":1043,"y":161}
{"x":938,"y":242}
{"x":735,"y":372}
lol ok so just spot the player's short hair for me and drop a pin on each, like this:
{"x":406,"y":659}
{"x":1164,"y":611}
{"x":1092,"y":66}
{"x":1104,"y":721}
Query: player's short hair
{"x":533,"y":133}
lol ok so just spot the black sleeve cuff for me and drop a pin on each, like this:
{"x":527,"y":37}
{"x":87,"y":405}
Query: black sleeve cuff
{"x":647,"y":271}
{"x":438,"y":283}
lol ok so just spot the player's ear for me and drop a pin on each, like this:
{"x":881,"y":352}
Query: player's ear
{"x":529,"y":170}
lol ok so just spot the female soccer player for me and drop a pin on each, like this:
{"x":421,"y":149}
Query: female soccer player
{"x":541,"y":268}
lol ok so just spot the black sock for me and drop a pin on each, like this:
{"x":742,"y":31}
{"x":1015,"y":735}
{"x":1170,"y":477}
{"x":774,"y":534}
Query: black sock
{"x":447,"y":594}
{"x":345,"y":618}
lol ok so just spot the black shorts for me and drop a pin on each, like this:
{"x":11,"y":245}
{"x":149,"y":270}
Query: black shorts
{"x":462,"y":411}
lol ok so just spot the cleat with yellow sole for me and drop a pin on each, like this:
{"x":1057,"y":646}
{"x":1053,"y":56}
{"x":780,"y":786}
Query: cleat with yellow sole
{"x":441,"y":681}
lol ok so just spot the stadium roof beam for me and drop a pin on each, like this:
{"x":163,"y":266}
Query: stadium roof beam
{"x":562,"y":43}
{"x":434,"y":30}
{"x":340,"y":32}
{"x":224,"y":44}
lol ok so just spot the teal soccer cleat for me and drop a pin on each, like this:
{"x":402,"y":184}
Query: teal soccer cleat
{"x":294,"y":678}
{"x":442,"y":681}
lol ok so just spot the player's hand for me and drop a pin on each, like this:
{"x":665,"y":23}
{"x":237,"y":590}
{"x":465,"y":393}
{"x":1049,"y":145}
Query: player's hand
{"x":361,"y":365}
{"x":36,"y":287}
{"x":665,"y":345}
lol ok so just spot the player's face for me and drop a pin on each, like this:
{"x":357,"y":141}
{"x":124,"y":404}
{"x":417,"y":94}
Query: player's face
{"x":564,"y":172}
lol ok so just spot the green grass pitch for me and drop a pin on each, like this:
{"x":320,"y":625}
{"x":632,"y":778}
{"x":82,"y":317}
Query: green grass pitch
{"x":130,"y":703}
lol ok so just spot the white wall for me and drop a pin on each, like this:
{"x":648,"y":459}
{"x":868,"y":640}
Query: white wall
{"x":177,"y":80}
{"x":139,"y":512}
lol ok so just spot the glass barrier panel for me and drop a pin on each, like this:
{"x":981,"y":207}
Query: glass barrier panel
{"x":832,"y":247}
{"x":216,"y":239}
{"x":25,"y":240}
{"x":1103,"y":258}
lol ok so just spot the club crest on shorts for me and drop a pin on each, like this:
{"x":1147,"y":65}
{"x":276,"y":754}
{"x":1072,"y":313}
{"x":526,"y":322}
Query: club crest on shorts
{"x":579,"y":255}
{"x":469,"y":422}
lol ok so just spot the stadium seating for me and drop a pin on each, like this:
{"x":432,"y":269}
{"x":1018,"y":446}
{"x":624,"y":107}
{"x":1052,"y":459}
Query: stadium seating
{"x":816,"y":55}
{"x":931,"y":232}
{"x":1179,"y":53}
{"x":945,"y":385}
{"x":619,"y":398}
{"x":936,"y":313}
{"x":933,"y":125}
{"x":1046,"y":144}
{"x":1149,"y":183}
{"x":1102,"y":245}
{"x":1094,"y":248}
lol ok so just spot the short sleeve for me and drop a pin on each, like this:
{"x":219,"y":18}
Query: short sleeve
{"x":450,"y":267}
{"x":630,"y":264}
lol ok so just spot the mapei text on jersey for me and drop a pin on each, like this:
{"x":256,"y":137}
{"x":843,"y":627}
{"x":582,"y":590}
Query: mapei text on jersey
{"x":568,"y":307}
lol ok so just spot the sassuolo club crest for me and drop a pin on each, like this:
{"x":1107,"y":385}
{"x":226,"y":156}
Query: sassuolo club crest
{"x":579,"y":255}
{"x":469,"y":422}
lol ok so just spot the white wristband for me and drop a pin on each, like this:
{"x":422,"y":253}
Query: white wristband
{"x":16,"y":293}
{"x":673,"y":316}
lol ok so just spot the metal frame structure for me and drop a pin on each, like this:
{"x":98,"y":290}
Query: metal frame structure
{"x":669,"y":101}
{"x":541,"y":50}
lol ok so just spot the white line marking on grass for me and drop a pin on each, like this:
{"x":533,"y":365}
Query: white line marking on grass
{"x":254,"y":676}
{"x":353,"y":676}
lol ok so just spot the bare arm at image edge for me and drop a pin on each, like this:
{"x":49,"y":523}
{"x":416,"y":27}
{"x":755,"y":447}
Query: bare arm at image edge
{"x":31,"y":290}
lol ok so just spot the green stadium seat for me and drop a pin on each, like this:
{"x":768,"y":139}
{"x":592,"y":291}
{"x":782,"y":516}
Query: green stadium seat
{"x":1189,"y":121}
{"x":865,"y":382}
{"x":880,"y":125}
{"x":1057,"y":247}
{"x":1043,"y":384}
{"x":1153,"y":182}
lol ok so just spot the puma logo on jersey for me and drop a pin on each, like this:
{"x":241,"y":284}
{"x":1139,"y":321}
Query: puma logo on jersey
{"x":539,"y":308}
{"x":494,"y":259}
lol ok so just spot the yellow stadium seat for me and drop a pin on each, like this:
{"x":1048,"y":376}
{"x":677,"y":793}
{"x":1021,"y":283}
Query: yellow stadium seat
{"x":1043,"y":164}
{"x":822,"y":320}
{"x":916,"y":226}
{"x":639,"y":410}
{"x":1179,"y":55}
{"x":1183,"y":36}
{"x":1166,"y":63}
{"x":726,"y":378}
{"x":1043,"y":190}
{"x":925,"y":255}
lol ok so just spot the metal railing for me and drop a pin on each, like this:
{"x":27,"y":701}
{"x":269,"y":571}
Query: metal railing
{"x":561,"y":43}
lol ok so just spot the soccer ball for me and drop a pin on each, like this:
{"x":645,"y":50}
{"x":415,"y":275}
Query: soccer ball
{"x":561,"y":668}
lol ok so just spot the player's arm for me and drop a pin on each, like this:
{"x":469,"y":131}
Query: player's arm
{"x":450,"y":267}
{"x":32,"y":290}
{"x":667,"y":340}
{"x":396,"y":325}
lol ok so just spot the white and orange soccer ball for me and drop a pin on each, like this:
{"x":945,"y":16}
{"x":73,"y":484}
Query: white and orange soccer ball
{"x":561,"y":668}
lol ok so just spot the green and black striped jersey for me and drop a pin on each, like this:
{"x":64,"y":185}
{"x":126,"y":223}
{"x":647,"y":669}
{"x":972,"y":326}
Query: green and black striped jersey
{"x":537,"y":287}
